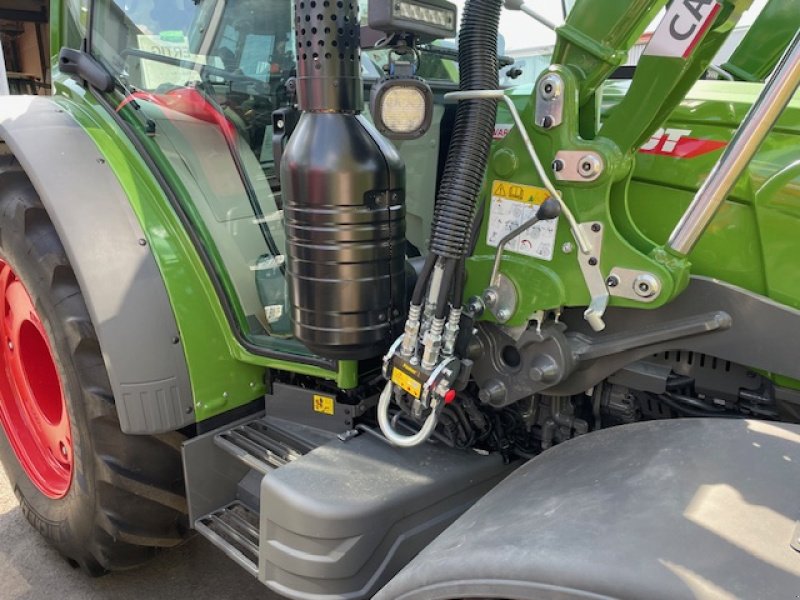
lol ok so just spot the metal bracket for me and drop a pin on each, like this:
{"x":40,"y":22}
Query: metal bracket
{"x":550,"y":101}
{"x":578,"y":165}
{"x":633,"y":285}
{"x":595,"y":282}
{"x":499,"y":95}
{"x":501,"y":298}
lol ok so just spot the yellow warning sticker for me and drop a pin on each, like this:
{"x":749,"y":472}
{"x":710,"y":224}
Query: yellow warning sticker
{"x":406,"y":383}
{"x":514,"y":204}
{"x":323,"y":404}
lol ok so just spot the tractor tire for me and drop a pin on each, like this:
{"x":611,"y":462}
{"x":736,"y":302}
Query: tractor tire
{"x":107,"y":501}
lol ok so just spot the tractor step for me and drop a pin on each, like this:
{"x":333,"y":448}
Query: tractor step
{"x":233,"y":529}
{"x":260,"y":446}
{"x":305,"y":510}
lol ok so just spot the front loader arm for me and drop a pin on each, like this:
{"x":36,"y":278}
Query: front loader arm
{"x":592,"y":170}
{"x":766,"y":40}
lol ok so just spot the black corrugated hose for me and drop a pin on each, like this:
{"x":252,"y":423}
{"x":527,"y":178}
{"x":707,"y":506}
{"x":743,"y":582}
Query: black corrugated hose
{"x":472,"y":135}
{"x":468,"y":154}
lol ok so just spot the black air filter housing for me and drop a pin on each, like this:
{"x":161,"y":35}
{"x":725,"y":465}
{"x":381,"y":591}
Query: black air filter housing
{"x":344,"y":192}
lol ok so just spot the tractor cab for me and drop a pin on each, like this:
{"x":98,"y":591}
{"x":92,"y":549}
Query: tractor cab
{"x":209,"y":88}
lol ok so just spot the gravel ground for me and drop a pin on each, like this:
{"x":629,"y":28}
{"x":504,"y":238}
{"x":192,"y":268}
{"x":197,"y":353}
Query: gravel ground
{"x":31,"y":570}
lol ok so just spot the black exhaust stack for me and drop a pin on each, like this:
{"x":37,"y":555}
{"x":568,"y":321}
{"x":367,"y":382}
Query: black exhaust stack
{"x":344,"y":193}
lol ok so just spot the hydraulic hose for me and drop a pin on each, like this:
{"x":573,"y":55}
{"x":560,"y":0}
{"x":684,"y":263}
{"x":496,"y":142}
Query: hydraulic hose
{"x":419,"y":289}
{"x":468,"y":155}
{"x":456,"y":202}
{"x":445,"y":290}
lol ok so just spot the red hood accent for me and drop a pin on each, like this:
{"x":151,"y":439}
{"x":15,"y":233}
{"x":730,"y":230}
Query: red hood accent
{"x":187,"y":101}
{"x":687,"y":147}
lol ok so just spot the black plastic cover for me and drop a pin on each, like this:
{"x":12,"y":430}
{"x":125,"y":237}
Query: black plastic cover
{"x":338,"y":522}
{"x":701,"y":508}
{"x":344,"y":209}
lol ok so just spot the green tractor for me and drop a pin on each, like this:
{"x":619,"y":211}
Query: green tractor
{"x":303,"y":279}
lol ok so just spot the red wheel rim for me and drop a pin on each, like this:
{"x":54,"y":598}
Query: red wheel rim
{"x":33,"y":409}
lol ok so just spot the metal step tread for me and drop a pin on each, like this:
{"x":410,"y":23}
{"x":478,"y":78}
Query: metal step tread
{"x":260,"y":446}
{"x":234,"y":529}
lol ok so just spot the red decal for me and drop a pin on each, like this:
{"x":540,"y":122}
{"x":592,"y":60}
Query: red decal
{"x":678,"y":144}
{"x":501,"y":130}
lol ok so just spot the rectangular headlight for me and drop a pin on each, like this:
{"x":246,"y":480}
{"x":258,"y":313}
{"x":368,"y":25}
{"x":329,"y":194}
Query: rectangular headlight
{"x":427,"y":19}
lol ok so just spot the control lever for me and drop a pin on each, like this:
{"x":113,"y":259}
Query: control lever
{"x":549,"y":210}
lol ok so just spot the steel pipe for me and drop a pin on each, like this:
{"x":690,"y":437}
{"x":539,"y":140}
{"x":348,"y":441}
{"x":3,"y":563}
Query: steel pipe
{"x":746,"y":142}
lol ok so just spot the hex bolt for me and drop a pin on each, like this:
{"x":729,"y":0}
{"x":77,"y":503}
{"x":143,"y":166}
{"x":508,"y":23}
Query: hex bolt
{"x":280,"y":124}
{"x":596,"y":227}
{"x":550,"y":87}
{"x":558,"y":165}
{"x":490,"y":297}
{"x":590,"y":166}
{"x":503,"y":315}
{"x":567,"y":248}
{"x":612,"y":281}
{"x":547,"y":122}
{"x":593,"y":262}
{"x":10,"y":345}
{"x":646,"y":285}
{"x":475,"y":306}
{"x":63,"y":448}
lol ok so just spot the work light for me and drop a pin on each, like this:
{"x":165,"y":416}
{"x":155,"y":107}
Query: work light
{"x":427,"y":19}
{"x":402,"y":107}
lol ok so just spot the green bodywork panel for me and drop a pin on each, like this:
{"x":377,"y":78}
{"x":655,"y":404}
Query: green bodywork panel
{"x":223,"y":373}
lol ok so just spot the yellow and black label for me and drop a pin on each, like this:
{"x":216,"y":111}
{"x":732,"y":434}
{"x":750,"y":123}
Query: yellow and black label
{"x":323,"y":404}
{"x":406,"y":383}
{"x":512,"y":205}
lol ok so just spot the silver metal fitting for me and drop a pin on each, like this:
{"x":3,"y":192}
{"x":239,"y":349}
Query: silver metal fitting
{"x":549,"y":110}
{"x":476,"y":306}
{"x":646,"y":285}
{"x":432,"y":344}
{"x":551,"y":86}
{"x":631,"y":284}
{"x":451,"y":331}
{"x":409,"y":346}
{"x":490,"y":297}
{"x":590,"y":166}
{"x":578,"y":165}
